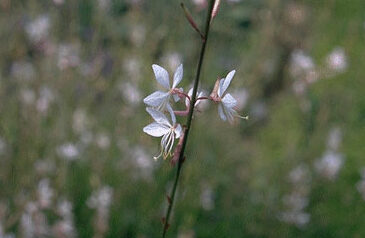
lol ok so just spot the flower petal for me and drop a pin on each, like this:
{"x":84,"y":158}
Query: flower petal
{"x":178,"y":76}
{"x":229,"y":112}
{"x":162,"y":76}
{"x":156,"y":99}
{"x":220,"y":92}
{"x":172,"y":114}
{"x":229,"y":101}
{"x":178,"y":131}
{"x":176,"y":97}
{"x":221,"y":112}
{"x":187,"y":101}
{"x":158,"y":116}
{"x":226,"y":82}
{"x":155,"y":129}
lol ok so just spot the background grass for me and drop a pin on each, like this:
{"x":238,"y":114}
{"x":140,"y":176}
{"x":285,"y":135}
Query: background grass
{"x":80,"y":83}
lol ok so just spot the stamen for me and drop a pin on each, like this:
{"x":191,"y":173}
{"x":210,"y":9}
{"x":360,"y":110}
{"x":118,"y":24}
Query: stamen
{"x":158,"y":156}
{"x":242,"y":117}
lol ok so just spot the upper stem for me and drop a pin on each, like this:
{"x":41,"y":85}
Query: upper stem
{"x":190,"y":116}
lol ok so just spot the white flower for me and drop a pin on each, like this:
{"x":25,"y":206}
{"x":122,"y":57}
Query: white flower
{"x":330,"y":164}
{"x":337,"y":60}
{"x":227,"y":103}
{"x":162,"y":127}
{"x":160,"y":99}
{"x":190,"y":93}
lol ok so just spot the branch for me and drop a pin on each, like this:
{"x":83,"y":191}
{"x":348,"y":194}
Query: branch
{"x":189,"y":119}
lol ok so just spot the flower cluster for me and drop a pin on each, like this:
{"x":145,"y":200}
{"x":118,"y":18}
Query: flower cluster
{"x":159,"y":106}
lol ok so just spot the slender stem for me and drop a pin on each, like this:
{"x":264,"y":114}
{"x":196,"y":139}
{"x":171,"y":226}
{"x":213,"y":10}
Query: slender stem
{"x":189,"y":119}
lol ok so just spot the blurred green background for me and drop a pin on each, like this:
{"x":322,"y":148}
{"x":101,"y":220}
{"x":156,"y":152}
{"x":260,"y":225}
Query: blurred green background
{"x":74,"y":161}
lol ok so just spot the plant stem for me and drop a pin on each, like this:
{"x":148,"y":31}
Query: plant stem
{"x":189,"y":119}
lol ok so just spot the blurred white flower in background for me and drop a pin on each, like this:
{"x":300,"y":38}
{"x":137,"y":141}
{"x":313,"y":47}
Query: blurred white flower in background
{"x":38,"y":29}
{"x":33,"y":222}
{"x":68,"y":151}
{"x":102,"y":141}
{"x":135,"y":2}
{"x":138,"y":34}
{"x":300,"y":62}
{"x":64,"y":227}
{"x":334,"y":138}
{"x":68,"y":56}
{"x":142,"y":161}
{"x":45,"y":193}
{"x":59,"y":2}
{"x":241,"y":95}
{"x":22,"y":71}
{"x":296,"y":201}
{"x":132,"y":68}
{"x":300,"y":219}
{"x":258,"y":110}
{"x":81,"y":125}
{"x":80,"y":120}
{"x":298,"y":198}
{"x":172,"y":60}
{"x":186,"y":234}
{"x":337,"y":60}
{"x":86,"y":137}
{"x":207,"y":197}
{"x":101,"y":200}
{"x":131,"y":93}
{"x":300,"y":175}
{"x":361,"y":184}
{"x":45,"y":166}
{"x":332,"y":161}
{"x":302,"y":68}
{"x":27,"y":96}
{"x":3,"y":234}
{"x":46,"y":96}
{"x":330,"y":164}
{"x":200,"y":4}
{"x":104,"y":4}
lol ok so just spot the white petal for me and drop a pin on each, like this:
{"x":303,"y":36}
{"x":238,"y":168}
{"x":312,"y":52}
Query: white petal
{"x":172,"y":114}
{"x":156,"y":99}
{"x":158,"y":116}
{"x":178,"y":131}
{"x":178,"y":76}
{"x":226,"y":82}
{"x":176,"y":97}
{"x":221,"y":112}
{"x":229,"y":101}
{"x":201,"y":94}
{"x":187,"y":102}
{"x":220,"y":92}
{"x":229,"y":114}
{"x":162,"y":76}
{"x":155,"y":129}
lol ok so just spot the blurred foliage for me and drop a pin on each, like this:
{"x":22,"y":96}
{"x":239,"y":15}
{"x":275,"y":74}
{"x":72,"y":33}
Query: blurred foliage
{"x":73,"y":76}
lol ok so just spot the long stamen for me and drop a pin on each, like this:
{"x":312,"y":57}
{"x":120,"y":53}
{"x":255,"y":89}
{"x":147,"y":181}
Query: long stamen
{"x":242,"y":117}
{"x":169,"y":144}
{"x":159,"y":155}
{"x":172,"y":137}
{"x":162,"y":145}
